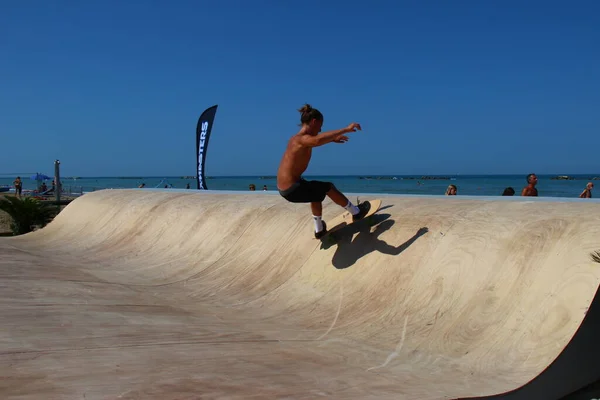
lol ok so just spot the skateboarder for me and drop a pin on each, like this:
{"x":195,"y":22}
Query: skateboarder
{"x":296,"y":158}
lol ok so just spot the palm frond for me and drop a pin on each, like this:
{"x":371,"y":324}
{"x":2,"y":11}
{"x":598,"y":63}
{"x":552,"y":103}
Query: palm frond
{"x":596,"y":256}
{"x":26,"y":213}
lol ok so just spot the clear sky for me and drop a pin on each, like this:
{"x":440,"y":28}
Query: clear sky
{"x":440,"y":87}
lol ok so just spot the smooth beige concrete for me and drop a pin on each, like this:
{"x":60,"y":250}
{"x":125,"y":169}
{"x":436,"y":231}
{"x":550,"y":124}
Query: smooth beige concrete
{"x":133,"y":294}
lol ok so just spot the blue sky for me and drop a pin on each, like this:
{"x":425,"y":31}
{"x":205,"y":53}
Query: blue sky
{"x":471,"y":87}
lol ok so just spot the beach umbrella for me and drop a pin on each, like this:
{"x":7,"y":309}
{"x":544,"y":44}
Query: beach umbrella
{"x":40,"y":177}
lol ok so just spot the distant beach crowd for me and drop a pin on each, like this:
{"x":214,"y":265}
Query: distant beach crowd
{"x":528,"y":190}
{"x":42,"y":187}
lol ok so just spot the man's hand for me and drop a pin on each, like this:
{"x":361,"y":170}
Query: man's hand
{"x":353,"y":127}
{"x":341,"y":139}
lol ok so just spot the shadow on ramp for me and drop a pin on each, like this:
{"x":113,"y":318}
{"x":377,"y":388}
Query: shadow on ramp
{"x":351,"y":248}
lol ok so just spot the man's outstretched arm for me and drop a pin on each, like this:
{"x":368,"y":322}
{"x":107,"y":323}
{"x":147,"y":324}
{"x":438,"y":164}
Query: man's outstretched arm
{"x":327,"y":137}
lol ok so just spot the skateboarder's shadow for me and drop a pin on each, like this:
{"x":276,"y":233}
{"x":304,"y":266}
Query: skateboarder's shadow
{"x":350,"y":250}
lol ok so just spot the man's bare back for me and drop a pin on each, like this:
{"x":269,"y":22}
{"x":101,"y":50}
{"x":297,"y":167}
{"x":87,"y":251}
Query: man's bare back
{"x":529,"y":191}
{"x":293,"y":164}
{"x":587,"y":192}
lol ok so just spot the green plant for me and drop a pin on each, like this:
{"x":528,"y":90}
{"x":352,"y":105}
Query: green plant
{"x":26,"y":213}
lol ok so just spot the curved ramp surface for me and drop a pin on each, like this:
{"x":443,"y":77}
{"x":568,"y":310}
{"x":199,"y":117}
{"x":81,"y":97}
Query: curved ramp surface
{"x":134,"y":294}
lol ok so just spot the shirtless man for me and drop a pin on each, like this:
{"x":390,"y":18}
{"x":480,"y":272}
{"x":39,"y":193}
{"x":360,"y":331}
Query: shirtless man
{"x":587,"y":192}
{"x":18,"y":186}
{"x":530,"y":189}
{"x":296,"y":158}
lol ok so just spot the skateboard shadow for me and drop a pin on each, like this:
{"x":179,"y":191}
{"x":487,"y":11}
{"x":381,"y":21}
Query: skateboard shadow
{"x":350,"y":250}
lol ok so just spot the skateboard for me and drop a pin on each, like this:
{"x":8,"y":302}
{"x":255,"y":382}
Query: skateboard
{"x":345,"y":219}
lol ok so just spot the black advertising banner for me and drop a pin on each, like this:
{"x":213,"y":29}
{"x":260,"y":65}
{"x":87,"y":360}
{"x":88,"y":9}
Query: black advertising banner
{"x":205,"y":124}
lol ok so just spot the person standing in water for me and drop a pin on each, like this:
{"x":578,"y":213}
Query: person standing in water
{"x":295,"y":160}
{"x":451,"y":190}
{"x":18,"y":186}
{"x":587,"y":192}
{"x":530,"y":189}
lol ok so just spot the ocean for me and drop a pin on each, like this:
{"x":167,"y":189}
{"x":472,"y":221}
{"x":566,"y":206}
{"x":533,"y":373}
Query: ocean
{"x":471,"y":185}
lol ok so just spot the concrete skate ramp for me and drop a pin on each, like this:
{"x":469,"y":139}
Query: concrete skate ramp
{"x":134,"y":294}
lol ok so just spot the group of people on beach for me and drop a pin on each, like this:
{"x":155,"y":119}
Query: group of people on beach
{"x":252,"y":187}
{"x":42,"y":188}
{"x":529,"y":190}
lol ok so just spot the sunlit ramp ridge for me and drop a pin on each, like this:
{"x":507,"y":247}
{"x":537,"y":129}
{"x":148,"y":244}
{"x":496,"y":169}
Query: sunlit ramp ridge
{"x":135,"y":294}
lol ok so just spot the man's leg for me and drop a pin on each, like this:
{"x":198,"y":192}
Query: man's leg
{"x":337,"y":197}
{"x":341,"y":200}
{"x":314,"y":192}
{"x":317,"y":213}
{"x":317,"y":209}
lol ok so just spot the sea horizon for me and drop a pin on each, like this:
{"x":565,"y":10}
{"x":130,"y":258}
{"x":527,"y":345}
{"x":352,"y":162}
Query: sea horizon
{"x":182,"y":176}
{"x":549,"y":185}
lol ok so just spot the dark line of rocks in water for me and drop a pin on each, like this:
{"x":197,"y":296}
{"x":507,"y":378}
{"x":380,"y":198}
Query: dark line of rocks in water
{"x":571,"y":178}
{"x":422,"y":178}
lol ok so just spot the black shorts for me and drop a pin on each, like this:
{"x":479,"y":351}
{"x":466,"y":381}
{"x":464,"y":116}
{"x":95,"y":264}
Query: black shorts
{"x":305,"y":191}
